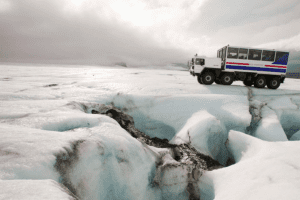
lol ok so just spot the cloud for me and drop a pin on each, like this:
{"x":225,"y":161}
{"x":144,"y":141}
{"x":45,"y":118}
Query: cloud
{"x":140,"y":32}
{"x":290,"y":44}
{"x":247,"y":23}
{"x":216,"y":15}
{"x":5,"y":5}
{"x":51,"y":31}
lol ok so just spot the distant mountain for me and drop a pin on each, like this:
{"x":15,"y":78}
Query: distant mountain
{"x":182,"y":65}
{"x":293,"y":75}
{"x":122,"y":64}
{"x":294,"y":62}
{"x":293,"y":67}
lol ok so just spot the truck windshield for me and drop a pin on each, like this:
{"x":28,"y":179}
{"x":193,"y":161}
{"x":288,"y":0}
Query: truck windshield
{"x":199,"y":61}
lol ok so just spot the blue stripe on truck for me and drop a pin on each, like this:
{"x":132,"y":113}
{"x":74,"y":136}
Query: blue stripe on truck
{"x":255,"y":68}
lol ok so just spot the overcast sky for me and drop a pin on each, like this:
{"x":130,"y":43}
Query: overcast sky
{"x":142,"y":32}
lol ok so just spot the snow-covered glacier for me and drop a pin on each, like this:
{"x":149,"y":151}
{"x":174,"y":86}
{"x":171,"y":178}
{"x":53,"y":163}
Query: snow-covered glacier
{"x":54,"y":146}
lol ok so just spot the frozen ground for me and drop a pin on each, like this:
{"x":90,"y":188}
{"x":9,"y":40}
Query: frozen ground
{"x":49,"y":138}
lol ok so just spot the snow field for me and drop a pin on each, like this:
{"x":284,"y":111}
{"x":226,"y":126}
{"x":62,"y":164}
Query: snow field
{"x":23,"y":108}
{"x":48,"y":133}
{"x":62,"y":118}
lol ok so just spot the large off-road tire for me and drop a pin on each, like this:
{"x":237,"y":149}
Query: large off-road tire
{"x":199,"y":79}
{"x":260,"y":82}
{"x":227,"y":79}
{"x":273,"y":83}
{"x":247,"y":82}
{"x":208,"y":78}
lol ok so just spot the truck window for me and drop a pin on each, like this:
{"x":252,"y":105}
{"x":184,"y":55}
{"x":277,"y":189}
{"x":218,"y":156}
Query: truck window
{"x":282,"y":57}
{"x":232,"y":52}
{"x":254,"y":54}
{"x":200,"y":61}
{"x":243,"y":53}
{"x":268,"y":55}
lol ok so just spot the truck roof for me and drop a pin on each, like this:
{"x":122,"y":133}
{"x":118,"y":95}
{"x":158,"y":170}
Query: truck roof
{"x":256,"y":48}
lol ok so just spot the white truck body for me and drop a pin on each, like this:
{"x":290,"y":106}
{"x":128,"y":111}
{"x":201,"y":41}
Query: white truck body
{"x":251,"y":65}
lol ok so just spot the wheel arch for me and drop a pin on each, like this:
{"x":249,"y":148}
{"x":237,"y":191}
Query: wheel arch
{"x":215,"y":71}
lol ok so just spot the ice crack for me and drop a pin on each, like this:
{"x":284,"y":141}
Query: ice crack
{"x":65,"y":161}
{"x":183,"y":166}
{"x":255,"y":108}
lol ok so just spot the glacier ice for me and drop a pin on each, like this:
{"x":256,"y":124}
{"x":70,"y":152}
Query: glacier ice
{"x":269,"y":127}
{"x":49,"y":136}
{"x":295,"y":136}
{"x":263,"y":170}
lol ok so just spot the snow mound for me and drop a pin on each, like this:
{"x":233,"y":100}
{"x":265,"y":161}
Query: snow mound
{"x":242,"y":146}
{"x":269,"y":127}
{"x":263,"y":170}
{"x":33,"y":190}
{"x":112,"y":165}
{"x":206,"y":133}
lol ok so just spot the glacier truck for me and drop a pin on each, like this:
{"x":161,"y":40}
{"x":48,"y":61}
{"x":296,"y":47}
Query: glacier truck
{"x":253,"y":66}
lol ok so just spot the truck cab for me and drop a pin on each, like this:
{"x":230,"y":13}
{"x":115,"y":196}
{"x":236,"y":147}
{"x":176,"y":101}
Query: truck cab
{"x":198,"y":64}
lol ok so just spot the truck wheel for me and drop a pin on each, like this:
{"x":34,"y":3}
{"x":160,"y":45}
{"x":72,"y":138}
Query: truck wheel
{"x":208,"y":78}
{"x":217,"y":81}
{"x":199,"y":79}
{"x":260,"y":82}
{"x":273,"y":83}
{"x":227,"y":79}
{"x":247,"y":82}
